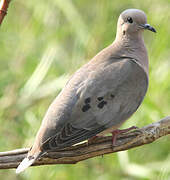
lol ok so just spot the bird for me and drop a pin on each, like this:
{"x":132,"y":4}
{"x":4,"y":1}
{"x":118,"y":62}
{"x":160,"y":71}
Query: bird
{"x":101,"y":95}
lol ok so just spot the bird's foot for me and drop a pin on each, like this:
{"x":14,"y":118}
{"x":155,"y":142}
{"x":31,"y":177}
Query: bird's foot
{"x":92,"y":139}
{"x":116,"y":132}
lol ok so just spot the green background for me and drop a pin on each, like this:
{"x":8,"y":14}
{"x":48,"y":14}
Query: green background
{"x":41,"y":44}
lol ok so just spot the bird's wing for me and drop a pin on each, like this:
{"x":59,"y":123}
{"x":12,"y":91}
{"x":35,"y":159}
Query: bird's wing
{"x":108,"y":94}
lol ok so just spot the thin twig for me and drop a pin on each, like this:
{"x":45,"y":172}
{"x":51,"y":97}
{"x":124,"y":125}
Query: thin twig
{"x":100,"y":146}
{"x":3,"y":9}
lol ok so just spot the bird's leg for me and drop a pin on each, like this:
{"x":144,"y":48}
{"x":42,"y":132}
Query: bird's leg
{"x":89,"y":141}
{"x":116,"y":132}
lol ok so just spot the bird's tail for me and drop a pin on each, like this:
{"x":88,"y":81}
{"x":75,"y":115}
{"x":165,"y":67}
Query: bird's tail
{"x":26,"y":162}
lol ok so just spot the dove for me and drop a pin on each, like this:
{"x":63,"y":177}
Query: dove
{"x":101,"y":95}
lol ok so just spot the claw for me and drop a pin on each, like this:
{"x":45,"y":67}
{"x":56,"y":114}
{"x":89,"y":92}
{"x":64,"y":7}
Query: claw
{"x":116,"y":132}
{"x":89,"y":141}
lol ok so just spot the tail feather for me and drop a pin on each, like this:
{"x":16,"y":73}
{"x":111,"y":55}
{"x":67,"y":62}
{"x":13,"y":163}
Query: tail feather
{"x":26,"y":162}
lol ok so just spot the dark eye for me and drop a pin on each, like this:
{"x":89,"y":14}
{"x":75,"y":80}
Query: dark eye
{"x":130,"y":20}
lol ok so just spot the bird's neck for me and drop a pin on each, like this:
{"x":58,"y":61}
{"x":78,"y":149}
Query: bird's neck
{"x":133,"y":46}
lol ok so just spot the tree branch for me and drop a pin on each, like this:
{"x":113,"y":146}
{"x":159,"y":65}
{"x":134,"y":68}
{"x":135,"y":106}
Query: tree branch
{"x":3,"y":9}
{"x":100,"y":146}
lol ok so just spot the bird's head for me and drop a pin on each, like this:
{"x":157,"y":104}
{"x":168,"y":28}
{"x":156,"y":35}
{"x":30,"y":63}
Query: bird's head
{"x":132,"y":21}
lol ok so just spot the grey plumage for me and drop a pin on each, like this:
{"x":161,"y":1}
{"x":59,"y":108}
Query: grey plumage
{"x":101,"y":95}
{"x":93,"y":85}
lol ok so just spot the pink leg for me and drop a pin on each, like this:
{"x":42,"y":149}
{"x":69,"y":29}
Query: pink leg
{"x":89,"y":141}
{"x":116,"y":132}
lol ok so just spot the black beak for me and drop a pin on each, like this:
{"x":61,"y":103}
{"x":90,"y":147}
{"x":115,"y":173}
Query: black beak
{"x":148,"y":27}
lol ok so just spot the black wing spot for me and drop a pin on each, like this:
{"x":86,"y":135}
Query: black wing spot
{"x":112,"y":95}
{"x":87,"y":100}
{"x":100,"y":98}
{"x":101,"y":104}
{"x":86,"y":107}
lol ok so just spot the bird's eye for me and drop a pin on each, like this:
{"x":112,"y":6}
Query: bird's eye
{"x":130,"y":20}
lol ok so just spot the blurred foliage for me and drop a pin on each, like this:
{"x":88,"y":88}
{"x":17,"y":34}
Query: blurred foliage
{"x":41,"y":44}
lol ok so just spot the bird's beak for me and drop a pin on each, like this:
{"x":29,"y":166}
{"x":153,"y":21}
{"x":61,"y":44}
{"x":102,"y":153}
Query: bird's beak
{"x":148,"y":27}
